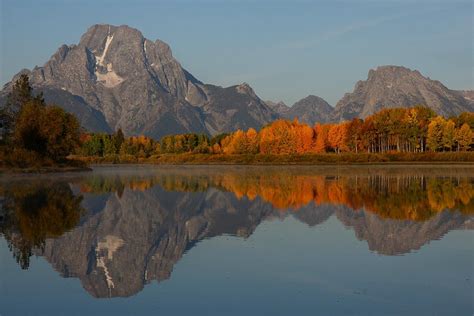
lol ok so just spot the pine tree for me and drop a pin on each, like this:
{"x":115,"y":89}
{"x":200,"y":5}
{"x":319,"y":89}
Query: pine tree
{"x":21,"y":94}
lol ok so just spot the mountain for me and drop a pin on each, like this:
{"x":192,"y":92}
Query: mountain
{"x":394,"y":86}
{"x":280,"y":107}
{"x":115,"y":78}
{"x":310,"y":110}
{"x":236,"y":107}
{"x":468,"y":95}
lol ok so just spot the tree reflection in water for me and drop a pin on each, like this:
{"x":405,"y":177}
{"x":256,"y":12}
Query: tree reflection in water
{"x":34,"y":212}
{"x":415,"y":197}
{"x":132,"y":227}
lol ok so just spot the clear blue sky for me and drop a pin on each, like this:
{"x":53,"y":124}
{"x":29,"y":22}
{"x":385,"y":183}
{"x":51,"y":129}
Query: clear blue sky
{"x":284,"y":49}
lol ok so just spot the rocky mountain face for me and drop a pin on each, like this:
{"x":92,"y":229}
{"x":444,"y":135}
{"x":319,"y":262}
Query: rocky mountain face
{"x":393,"y":86}
{"x":310,"y":110}
{"x":115,"y":78}
{"x":279,"y":107}
{"x":468,"y":95}
{"x":232,"y":108}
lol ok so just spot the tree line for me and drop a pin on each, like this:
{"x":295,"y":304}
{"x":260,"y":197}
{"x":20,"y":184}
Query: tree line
{"x":35,"y":133}
{"x":403,"y":130}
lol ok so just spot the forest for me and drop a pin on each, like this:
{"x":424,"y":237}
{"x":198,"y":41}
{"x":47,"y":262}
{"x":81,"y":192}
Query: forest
{"x":402,"y":131}
{"x":36,"y":134}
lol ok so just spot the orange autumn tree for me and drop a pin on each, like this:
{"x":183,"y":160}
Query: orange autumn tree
{"x":278,"y":138}
{"x":305,"y":138}
{"x":401,"y":130}
{"x":338,"y":137}
{"x":321,"y":143}
{"x":241,"y":142}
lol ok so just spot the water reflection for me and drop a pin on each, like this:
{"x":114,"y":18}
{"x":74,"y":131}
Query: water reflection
{"x":119,"y":229}
{"x":33,"y":212}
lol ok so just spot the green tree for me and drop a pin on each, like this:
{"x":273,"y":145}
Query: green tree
{"x":119,"y":138}
{"x":93,"y":146}
{"x":20,"y":94}
{"x":109,"y":144}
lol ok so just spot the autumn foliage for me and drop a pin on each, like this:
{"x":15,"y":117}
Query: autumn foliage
{"x":415,"y":129}
{"x":399,"y":130}
{"x":400,"y":196}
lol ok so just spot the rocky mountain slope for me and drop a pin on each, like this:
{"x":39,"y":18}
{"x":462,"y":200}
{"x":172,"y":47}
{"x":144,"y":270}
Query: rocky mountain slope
{"x":393,"y":86}
{"x":115,"y":78}
{"x":309,"y":110}
{"x":468,"y":95}
{"x":279,"y":107}
{"x":228,"y":109}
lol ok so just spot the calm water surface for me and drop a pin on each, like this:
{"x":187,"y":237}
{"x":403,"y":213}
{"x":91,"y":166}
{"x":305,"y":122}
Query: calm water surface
{"x":239,"y":241}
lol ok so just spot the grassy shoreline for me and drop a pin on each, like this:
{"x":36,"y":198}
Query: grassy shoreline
{"x":81,"y":163}
{"x":307,"y":159}
{"x":40,"y":167}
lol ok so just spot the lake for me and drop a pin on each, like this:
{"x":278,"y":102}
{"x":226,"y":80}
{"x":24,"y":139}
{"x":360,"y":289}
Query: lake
{"x":236,"y":240}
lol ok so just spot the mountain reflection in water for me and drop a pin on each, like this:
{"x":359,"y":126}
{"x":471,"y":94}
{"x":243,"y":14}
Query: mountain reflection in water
{"x":117,"y":229}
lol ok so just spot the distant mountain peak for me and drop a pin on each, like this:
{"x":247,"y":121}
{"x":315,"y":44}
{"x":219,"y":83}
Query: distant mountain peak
{"x":310,"y":110}
{"x":245,"y":88}
{"x":395,"y":86}
{"x":279,"y":107}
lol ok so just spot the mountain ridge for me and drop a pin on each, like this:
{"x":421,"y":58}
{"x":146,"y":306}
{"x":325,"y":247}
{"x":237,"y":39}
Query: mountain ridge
{"x":138,"y":86}
{"x":116,"y":78}
{"x":396,"y":86}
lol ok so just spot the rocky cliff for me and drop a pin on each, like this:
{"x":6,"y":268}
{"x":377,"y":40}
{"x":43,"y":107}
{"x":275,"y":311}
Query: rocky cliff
{"x":394,"y":86}
{"x":115,"y":78}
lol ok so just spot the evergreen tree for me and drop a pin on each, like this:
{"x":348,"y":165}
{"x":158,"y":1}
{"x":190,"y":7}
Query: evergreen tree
{"x":21,"y":94}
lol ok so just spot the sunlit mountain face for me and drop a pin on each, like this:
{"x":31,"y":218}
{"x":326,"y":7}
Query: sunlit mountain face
{"x":118,"y":229}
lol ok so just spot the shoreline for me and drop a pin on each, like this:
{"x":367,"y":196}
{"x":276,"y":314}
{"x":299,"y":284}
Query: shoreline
{"x":42,"y":170}
{"x":187,"y":159}
{"x":307,"y":159}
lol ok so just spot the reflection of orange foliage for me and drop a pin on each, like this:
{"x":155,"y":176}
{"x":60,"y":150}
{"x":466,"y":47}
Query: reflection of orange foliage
{"x":414,"y":197}
{"x":390,"y":197}
{"x":140,"y":185}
